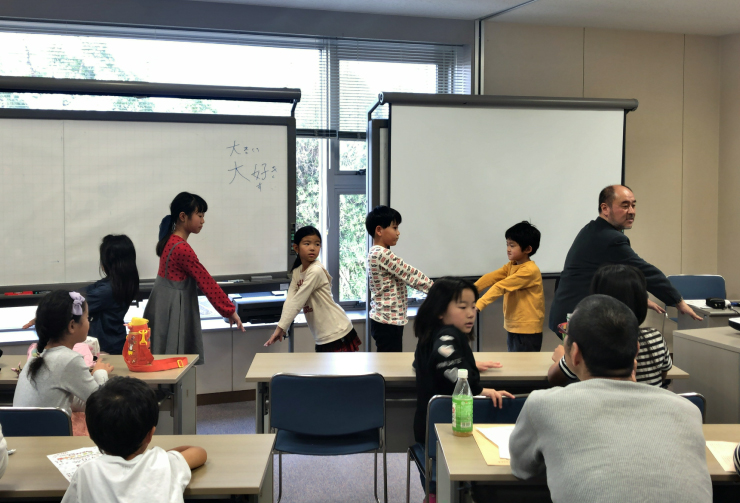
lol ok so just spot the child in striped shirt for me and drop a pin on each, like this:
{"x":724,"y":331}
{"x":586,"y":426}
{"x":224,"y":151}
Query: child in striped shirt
{"x":389,"y":276}
{"x":627,"y":284}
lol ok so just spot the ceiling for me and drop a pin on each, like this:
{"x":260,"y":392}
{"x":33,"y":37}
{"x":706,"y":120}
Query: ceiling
{"x":699,"y":17}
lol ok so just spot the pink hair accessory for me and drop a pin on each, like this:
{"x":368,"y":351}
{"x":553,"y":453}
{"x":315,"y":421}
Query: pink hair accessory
{"x":77,"y":301}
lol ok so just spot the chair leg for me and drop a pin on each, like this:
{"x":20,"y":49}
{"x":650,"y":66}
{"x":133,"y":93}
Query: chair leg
{"x":408,"y":475}
{"x":385,"y":476}
{"x":375,"y":477}
{"x":427,"y":478}
{"x":280,"y":476}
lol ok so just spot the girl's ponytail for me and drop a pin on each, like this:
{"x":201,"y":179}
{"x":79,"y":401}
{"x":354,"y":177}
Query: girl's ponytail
{"x":298,"y":236}
{"x":184,"y":202}
{"x":53,"y":315}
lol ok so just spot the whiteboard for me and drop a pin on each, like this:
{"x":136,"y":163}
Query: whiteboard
{"x":461,"y":176}
{"x":68,"y":183}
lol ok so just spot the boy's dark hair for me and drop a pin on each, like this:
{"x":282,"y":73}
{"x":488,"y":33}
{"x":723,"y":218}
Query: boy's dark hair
{"x":444,"y":291}
{"x":625,"y":283}
{"x":606,"y":331}
{"x":381,"y":216}
{"x":118,"y":261}
{"x":52,"y":319}
{"x":608,"y":194}
{"x":524,"y":234}
{"x":120,"y":414}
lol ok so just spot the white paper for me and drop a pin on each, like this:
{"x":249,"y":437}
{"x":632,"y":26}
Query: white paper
{"x":698,"y":303}
{"x":724,"y":452}
{"x":499,"y":435}
{"x":67,"y":462}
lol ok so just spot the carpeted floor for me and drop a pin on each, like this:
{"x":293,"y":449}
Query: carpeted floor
{"x":310,"y":479}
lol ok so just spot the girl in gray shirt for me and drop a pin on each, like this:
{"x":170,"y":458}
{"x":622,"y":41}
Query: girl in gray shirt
{"x":57,"y":376}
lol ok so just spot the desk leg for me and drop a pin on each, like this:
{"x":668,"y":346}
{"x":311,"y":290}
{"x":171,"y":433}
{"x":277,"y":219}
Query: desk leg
{"x":261,"y":407}
{"x":185,"y":405}
{"x":448,"y":491}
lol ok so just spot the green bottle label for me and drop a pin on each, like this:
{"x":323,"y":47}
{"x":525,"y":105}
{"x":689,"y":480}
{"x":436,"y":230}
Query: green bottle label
{"x":462,"y":414}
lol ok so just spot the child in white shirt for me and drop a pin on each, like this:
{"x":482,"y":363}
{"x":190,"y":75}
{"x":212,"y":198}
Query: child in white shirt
{"x":121,"y":418}
{"x":310,"y":291}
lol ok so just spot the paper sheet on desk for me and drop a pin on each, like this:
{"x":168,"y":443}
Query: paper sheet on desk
{"x":67,"y":462}
{"x":499,"y":435}
{"x":698,"y":303}
{"x":723,"y":452}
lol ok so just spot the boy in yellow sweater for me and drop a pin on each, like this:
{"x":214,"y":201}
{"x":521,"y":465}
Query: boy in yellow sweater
{"x":520,"y":282}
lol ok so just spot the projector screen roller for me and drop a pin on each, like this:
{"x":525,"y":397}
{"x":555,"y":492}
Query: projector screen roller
{"x":461,"y":176}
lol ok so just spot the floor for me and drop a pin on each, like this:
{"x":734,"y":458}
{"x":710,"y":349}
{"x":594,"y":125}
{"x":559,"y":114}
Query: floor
{"x":310,"y":479}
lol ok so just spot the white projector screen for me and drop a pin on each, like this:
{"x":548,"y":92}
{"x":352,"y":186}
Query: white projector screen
{"x":461,"y":176}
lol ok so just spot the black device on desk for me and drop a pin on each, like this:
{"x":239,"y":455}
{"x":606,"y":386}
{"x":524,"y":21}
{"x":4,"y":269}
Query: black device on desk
{"x":259,"y":307}
{"x":717,"y":303}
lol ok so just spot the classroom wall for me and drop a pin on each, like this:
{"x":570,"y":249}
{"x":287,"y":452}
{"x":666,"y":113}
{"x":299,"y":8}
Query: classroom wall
{"x":729,"y":166}
{"x":672,"y":145}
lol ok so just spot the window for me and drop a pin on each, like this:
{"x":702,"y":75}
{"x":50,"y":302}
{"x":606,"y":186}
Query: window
{"x":339,"y":80}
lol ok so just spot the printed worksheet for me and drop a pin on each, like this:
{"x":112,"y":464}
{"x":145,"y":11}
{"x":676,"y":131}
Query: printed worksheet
{"x":68,"y":462}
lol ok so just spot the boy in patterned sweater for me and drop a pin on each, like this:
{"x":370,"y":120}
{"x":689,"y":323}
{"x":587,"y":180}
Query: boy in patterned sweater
{"x":389,"y":276}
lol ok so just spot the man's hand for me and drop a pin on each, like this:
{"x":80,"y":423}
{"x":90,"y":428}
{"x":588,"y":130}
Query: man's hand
{"x":684,"y":308}
{"x":655,"y":307}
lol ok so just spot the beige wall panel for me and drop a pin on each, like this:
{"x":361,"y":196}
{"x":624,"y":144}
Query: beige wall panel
{"x":729,"y":167}
{"x":700,"y":155}
{"x":525,"y":60}
{"x":648,"y":67}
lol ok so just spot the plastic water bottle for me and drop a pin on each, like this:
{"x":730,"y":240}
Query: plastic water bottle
{"x":462,"y":406}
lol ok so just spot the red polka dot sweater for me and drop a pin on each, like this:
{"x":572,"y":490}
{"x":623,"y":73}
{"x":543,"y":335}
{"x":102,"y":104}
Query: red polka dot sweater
{"x":183,"y":263}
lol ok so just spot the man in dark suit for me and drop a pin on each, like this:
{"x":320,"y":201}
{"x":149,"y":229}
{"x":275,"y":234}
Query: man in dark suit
{"x":601,"y":242}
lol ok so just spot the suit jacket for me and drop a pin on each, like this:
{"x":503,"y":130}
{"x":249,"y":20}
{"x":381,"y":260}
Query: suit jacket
{"x":597,"y":244}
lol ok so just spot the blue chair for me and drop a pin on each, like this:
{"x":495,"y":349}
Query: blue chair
{"x":699,"y":286}
{"x":439,"y":410}
{"x":698,"y":400}
{"x":329,"y":416}
{"x":35,"y":422}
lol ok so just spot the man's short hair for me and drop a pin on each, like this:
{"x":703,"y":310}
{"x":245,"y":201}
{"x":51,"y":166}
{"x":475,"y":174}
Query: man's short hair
{"x":120,"y":414}
{"x":606,"y":331}
{"x":524,"y":234}
{"x":381,"y":216}
{"x":608,"y":194}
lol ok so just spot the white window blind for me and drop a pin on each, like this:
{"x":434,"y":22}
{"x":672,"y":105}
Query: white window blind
{"x":339,"y":79}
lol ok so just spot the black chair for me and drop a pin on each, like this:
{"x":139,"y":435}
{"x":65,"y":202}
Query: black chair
{"x":35,"y":422}
{"x":329,"y":416}
{"x":698,"y":400}
{"x":439,"y":410}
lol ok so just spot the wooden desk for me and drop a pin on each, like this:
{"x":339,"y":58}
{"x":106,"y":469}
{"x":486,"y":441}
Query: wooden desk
{"x":459,"y":460}
{"x":237,"y":465}
{"x":177,"y":415}
{"x":519,"y":369}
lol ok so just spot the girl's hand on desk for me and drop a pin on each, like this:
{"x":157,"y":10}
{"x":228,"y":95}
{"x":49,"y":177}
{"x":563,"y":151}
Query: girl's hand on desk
{"x":558,"y":353}
{"x":277,"y":335}
{"x":103,"y":366}
{"x":29,"y":324}
{"x":234,"y":318}
{"x":496,"y":396}
{"x":483,"y":366}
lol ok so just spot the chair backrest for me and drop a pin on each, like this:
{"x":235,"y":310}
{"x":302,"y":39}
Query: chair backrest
{"x":698,"y":400}
{"x":699,"y":286}
{"x":35,"y":422}
{"x":439,"y":410}
{"x":327,"y":405}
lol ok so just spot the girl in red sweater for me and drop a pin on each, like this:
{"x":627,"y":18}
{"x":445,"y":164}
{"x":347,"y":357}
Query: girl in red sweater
{"x":172,"y":310}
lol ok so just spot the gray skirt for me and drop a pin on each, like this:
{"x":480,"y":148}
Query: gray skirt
{"x":174,"y":317}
